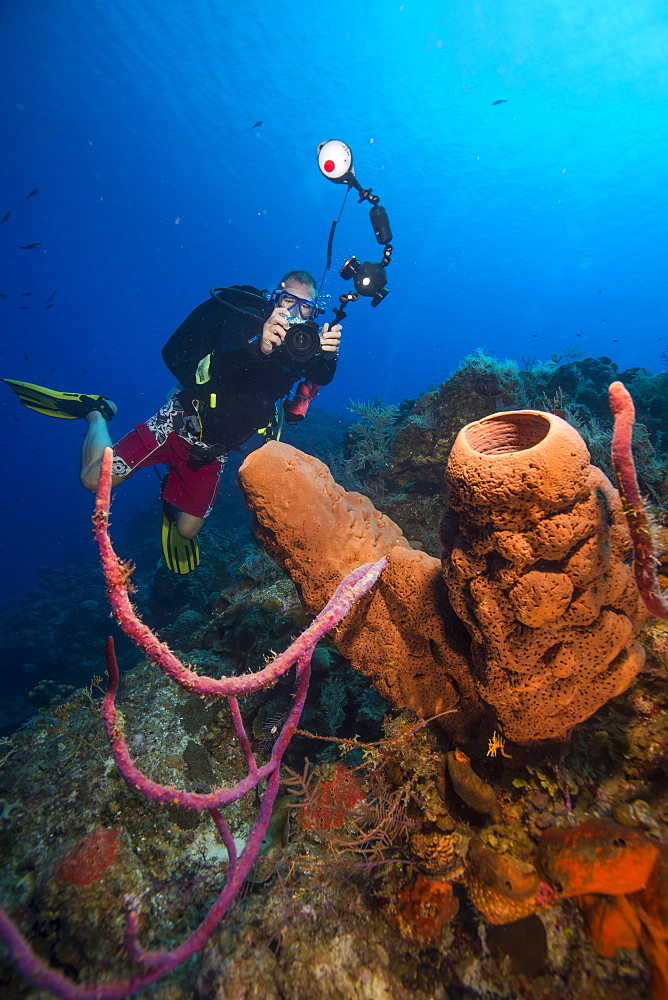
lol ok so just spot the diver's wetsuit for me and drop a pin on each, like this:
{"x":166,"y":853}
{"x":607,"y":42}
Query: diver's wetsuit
{"x":193,"y":432}
{"x":245,"y":382}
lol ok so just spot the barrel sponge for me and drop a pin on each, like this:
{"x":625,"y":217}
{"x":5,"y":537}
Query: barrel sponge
{"x":509,"y":462}
{"x":541,"y":573}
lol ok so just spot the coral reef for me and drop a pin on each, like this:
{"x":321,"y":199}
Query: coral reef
{"x":329,"y":909}
{"x":50,"y":641}
{"x":403,"y":899}
{"x":615,"y":875}
{"x":424,"y":437}
{"x":367,"y":449}
{"x":95,"y":853}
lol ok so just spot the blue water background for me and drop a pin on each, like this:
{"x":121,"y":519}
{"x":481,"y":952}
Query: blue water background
{"x":528,"y":227}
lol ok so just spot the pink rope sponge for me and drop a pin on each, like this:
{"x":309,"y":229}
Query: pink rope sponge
{"x":156,"y":964}
{"x":635,"y":507}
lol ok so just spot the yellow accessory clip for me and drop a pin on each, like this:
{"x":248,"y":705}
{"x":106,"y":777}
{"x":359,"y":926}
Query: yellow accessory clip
{"x":202,"y":372}
{"x":275,"y":424}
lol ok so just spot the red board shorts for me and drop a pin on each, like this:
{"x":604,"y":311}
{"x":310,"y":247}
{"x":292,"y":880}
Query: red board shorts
{"x":170,"y":437}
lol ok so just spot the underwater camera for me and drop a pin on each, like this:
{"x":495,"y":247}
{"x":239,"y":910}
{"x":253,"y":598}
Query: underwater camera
{"x":302,"y":341}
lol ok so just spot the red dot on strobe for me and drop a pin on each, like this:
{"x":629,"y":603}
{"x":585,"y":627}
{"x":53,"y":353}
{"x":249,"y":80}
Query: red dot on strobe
{"x":329,"y":165}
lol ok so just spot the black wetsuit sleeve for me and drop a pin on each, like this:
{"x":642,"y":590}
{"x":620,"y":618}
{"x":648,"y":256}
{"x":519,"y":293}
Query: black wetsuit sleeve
{"x":230,"y":367}
{"x":236,"y":364}
{"x":321,"y":369}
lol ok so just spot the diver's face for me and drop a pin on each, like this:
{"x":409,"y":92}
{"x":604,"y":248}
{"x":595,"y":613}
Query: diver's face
{"x":302,"y":292}
{"x":296,"y":288}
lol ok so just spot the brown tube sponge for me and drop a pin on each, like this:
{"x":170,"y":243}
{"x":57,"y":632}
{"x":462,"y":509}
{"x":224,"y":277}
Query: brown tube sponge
{"x":405,"y":635}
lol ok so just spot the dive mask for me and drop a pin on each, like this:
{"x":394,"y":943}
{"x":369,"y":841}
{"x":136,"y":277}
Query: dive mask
{"x":301,"y":309}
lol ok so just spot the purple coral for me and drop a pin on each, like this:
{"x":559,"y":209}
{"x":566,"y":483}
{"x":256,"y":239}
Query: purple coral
{"x":157,"y":964}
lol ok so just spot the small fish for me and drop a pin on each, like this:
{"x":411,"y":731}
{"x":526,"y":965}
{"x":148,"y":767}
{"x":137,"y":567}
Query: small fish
{"x":84,"y":371}
{"x":534,"y":334}
{"x":578,"y":334}
{"x":615,"y":341}
{"x":30,"y":246}
{"x":25,"y":356}
{"x":52,"y":294}
{"x":2,"y":296}
{"x":257,"y":124}
{"x":5,"y":217}
{"x":31,"y":193}
{"x":26,"y":293}
{"x":23,"y":307}
{"x":50,"y":306}
{"x":502,"y":101}
{"x":51,"y":370}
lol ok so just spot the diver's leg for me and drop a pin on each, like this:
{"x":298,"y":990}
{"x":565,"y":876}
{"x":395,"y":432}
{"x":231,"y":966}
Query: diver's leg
{"x":190,"y":487}
{"x":187,"y":525}
{"x":96,"y":440}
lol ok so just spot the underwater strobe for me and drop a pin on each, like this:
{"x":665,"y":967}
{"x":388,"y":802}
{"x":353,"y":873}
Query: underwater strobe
{"x":335,"y":160}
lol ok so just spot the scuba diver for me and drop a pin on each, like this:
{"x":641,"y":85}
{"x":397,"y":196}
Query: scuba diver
{"x":235,"y":357}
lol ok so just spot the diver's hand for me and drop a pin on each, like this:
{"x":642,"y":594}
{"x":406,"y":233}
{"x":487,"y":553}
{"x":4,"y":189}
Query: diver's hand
{"x":330,"y":340}
{"x":274,"y":330}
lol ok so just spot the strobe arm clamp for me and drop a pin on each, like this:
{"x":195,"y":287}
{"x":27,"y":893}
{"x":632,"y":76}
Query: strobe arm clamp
{"x":340,"y":311}
{"x":365,"y":194}
{"x":335,"y":160}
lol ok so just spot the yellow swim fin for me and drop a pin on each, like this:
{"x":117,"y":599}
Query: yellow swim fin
{"x":181,"y":554}
{"x":52,"y":403}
